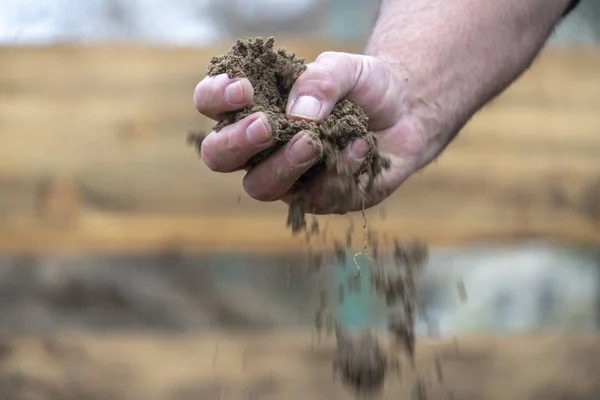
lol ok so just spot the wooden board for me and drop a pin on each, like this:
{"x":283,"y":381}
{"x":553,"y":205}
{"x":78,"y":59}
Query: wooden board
{"x":93,"y":157}
{"x":286,"y":366}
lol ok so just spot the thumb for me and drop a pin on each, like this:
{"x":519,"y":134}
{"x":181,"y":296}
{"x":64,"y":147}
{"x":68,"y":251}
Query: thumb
{"x":333,"y":76}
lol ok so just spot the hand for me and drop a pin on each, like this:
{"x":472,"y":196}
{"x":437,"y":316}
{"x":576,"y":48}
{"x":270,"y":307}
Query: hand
{"x":376,"y":86}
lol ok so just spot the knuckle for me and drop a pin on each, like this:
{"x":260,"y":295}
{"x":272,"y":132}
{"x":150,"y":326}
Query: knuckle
{"x":211,"y":162}
{"x":208,"y":95}
{"x":326,"y":56}
{"x":210,"y":158}
{"x":327,"y":86}
{"x":321,"y":81}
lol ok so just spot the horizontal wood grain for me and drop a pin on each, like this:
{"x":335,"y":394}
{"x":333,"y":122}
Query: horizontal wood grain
{"x":93,"y":157}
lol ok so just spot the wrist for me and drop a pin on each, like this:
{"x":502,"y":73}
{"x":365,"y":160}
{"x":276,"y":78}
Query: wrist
{"x":427,"y":124}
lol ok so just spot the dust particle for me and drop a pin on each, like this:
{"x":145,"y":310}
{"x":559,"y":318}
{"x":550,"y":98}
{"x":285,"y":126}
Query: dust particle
{"x":196,"y":139}
{"x":419,"y":390}
{"x":341,"y":294}
{"x":403,"y":331}
{"x":438,"y":368}
{"x":340,"y":254}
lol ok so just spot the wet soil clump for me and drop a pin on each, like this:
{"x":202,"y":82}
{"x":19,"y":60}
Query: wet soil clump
{"x":272,"y":74}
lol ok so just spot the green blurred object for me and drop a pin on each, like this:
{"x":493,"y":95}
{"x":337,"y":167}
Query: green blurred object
{"x":360,"y":309}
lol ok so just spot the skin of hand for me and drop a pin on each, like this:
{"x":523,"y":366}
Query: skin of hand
{"x":428,"y":67}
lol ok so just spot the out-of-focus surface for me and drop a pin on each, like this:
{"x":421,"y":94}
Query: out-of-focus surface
{"x":93,"y":157}
{"x":287,"y":366}
{"x":128,"y":270}
{"x":204,"y":22}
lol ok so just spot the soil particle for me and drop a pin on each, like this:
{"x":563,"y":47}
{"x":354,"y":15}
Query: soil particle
{"x":315,"y":261}
{"x":390,"y":284}
{"x":349,"y":233}
{"x":296,"y":219}
{"x":272,"y":74}
{"x":354,"y":285}
{"x":361,"y":361}
{"x":438,"y":369}
{"x":324,"y":303}
{"x":340,"y":254}
{"x":341,"y":294}
{"x":413,"y":254}
{"x":462,"y":290}
{"x":419,"y":390}
{"x":403,"y":330}
{"x":314,"y":227}
{"x":373,"y":241}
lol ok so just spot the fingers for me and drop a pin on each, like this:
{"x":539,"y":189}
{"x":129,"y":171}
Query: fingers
{"x":229,"y":149}
{"x":322,"y":84}
{"x":218,"y":94}
{"x":365,"y":80}
{"x":274,"y":177}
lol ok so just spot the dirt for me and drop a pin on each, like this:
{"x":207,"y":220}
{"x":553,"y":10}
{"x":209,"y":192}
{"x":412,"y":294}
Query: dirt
{"x":361,"y":361}
{"x":272,"y":74}
{"x":359,"y":358}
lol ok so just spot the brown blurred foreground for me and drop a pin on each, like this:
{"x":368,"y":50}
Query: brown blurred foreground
{"x":285,"y":366}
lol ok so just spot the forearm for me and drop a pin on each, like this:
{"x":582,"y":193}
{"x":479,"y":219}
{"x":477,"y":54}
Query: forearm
{"x":455,"y":56}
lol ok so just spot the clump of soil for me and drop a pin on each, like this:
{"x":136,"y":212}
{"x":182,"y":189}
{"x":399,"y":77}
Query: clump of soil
{"x":272,"y":74}
{"x":361,"y":361}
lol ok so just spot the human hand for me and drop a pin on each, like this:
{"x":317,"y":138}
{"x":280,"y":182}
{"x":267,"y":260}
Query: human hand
{"x":373,"y":84}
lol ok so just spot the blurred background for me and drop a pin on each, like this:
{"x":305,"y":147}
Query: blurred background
{"x":124,"y":260}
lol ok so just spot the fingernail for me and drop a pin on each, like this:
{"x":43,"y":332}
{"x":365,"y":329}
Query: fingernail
{"x":302,"y":151}
{"x":359,"y":149}
{"x":258,"y":132}
{"x":307,"y":107}
{"x":234,"y":92}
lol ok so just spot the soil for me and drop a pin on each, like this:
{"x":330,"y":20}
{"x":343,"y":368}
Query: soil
{"x":361,"y":361}
{"x":272,"y":74}
{"x":359,"y":358}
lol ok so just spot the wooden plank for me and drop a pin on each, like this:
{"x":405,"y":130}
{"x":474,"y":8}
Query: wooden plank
{"x":283,"y":365}
{"x":93,"y":157}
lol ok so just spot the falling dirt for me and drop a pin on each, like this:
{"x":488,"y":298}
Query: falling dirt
{"x":361,"y":361}
{"x":359,"y":358}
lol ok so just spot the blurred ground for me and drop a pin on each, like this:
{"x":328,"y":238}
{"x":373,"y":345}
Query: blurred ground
{"x":285,"y":366}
